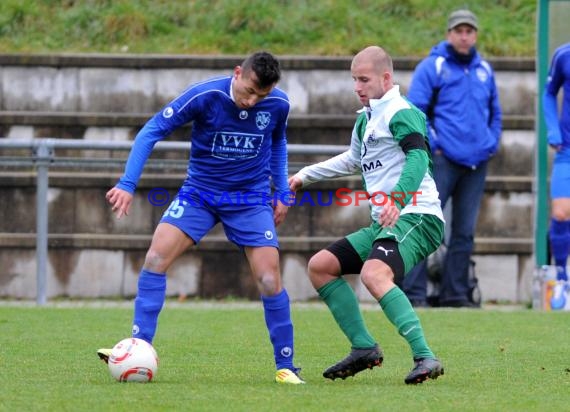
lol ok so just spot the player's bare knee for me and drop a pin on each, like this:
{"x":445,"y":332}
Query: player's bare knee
{"x":560,"y":209}
{"x":155,"y":261}
{"x":313,"y":266}
{"x":268,"y":284}
{"x":316,"y":268}
{"x":368,"y":278}
{"x":323,"y":262}
{"x":375,"y":278}
{"x":561,"y":214}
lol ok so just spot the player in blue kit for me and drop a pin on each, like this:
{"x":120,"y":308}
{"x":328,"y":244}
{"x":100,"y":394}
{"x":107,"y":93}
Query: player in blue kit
{"x":558,"y":128}
{"x":239,"y":146}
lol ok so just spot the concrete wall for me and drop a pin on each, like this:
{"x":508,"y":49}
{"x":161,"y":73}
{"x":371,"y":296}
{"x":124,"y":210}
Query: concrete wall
{"x":90,"y":88}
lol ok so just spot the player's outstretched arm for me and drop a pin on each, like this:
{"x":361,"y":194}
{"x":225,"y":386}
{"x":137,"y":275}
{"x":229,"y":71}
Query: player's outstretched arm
{"x":120,"y":201}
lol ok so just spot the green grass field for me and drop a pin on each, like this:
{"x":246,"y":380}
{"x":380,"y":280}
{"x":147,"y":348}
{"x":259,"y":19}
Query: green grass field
{"x":217,"y":358}
{"x":298,"y":27}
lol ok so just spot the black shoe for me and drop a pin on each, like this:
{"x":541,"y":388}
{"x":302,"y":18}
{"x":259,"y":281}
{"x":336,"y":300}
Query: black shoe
{"x":356,"y":361}
{"x":419,"y":303}
{"x":433,"y":301}
{"x":424,"y":369}
{"x":459,"y":304}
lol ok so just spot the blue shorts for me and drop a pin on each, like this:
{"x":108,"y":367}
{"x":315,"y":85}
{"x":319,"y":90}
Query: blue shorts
{"x":560,"y":180}
{"x":245,"y":223}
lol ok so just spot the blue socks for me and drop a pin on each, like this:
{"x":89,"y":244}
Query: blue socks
{"x":148,"y":303}
{"x":559,"y":244}
{"x":278,"y":320}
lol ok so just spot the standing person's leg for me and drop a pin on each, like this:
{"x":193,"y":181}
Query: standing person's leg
{"x":182,"y":225}
{"x":252,"y":227}
{"x":377,"y":276}
{"x":414,"y":285}
{"x":559,"y":232}
{"x":413,"y":238}
{"x":325,"y":272}
{"x":559,"y":236}
{"x":445,"y":175}
{"x":264,"y":263}
{"x":467,"y":198}
{"x":168,"y":242}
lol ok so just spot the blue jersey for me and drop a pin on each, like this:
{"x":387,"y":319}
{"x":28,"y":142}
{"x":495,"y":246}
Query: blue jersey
{"x":558,"y":126}
{"x":232,"y":149}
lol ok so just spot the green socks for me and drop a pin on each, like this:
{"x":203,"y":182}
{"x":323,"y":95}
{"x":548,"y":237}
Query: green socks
{"x":399,"y":311}
{"x":342,"y":302}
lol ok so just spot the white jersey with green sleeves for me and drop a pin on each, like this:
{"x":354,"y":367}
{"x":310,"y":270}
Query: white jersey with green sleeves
{"x":387,"y":172}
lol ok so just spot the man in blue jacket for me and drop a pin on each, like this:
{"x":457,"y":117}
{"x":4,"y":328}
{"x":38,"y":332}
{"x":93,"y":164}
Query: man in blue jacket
{"x":456,"y":89}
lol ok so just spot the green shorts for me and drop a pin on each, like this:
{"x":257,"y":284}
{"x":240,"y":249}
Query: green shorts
{"x":418,"y":235}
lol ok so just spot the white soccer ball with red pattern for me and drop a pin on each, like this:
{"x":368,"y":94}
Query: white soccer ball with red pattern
{"x":133,"y":360}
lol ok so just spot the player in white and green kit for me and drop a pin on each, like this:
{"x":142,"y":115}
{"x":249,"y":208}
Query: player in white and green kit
{"x":389,"y":147}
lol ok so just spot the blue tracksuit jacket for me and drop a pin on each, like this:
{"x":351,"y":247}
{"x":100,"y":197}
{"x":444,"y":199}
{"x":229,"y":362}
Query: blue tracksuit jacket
{"x":461,"y":103}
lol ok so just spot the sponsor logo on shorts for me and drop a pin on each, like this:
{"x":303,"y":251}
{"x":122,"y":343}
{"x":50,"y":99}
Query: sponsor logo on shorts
{"x":386,"y":251}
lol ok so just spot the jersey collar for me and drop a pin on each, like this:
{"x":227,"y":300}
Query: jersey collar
{"x":389,"y":95}
{"x":232,"y":90}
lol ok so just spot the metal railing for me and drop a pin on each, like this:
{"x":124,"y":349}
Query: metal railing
{"x":43,"y":157}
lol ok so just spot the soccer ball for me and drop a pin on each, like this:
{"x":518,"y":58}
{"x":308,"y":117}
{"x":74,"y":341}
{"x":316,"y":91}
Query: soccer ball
{"x":133,"y":360}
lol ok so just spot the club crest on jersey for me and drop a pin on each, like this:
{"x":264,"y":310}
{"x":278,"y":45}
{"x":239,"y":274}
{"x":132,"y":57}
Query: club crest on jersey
{"x":372,"y":140}
{"x":262,"y":119}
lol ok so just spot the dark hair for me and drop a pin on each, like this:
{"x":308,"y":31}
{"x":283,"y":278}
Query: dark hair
{"x":265,"y":66}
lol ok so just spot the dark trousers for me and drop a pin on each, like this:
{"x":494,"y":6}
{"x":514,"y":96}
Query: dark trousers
{"x":465,"y":187}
